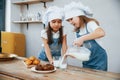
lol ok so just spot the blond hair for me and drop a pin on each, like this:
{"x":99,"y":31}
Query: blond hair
{"x":84,"y":20}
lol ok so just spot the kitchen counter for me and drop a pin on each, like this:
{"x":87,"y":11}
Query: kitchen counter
{"x":16,"y":70}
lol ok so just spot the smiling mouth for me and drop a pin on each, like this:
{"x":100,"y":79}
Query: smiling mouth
{"x":56,"y":29}
{"x":74,"y":25}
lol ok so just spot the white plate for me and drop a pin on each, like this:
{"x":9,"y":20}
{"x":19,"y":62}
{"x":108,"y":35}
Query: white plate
{"x":39,"y":71}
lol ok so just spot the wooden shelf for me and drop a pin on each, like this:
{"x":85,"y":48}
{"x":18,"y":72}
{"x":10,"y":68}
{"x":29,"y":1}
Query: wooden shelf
{"x":24,"y":22}
{"x":30,"y":2}
{"x":27,"y":2}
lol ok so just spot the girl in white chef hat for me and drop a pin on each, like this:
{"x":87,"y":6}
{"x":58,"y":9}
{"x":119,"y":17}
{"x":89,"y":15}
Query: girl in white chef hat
{"x":53,"y":37}
{"x":88,"y":33}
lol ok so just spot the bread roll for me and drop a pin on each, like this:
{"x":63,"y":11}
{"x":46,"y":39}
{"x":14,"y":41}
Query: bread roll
{"x":32,"y":58}
{"x":36,"y":62}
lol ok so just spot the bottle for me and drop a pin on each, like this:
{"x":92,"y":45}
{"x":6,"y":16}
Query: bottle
{"x":38,"y":16}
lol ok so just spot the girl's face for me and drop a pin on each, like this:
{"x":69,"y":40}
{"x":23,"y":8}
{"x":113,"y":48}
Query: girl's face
{"x":75,"y":21}
{"x":56,"y":24}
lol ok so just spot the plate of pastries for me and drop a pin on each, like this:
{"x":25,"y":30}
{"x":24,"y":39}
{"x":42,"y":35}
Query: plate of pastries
{"x":43,"y":68}
{"x":35,"y":65}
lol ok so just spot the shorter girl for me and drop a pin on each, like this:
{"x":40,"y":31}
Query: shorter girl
{"x":53,"y":36}
{"x":88,"y":33}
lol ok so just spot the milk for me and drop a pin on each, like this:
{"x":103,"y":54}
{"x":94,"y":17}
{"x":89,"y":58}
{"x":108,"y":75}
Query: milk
{"x":60,"y":62}
{"x":56,"y":63}
{"x":80,"y":56}
{"x":63,"y":62}
{"x":63,"y":66}
{"x":80,"y":53}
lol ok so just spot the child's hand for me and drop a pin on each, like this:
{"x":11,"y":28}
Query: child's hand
{"x":51,"y":62}
{"x":78,"y":42}
{"x":70,"y":55}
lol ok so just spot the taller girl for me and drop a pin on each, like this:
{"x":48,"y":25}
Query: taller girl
{"x":88,"y":33}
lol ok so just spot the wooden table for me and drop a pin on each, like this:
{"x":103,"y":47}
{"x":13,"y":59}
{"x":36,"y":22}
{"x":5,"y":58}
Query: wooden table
{"x":16,"y":70}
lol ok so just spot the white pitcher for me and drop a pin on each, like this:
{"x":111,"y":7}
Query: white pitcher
{"x":80,"y":53}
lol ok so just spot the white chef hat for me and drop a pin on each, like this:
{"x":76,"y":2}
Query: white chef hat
{"x":52,"y":13}
{"x":76,"y":9}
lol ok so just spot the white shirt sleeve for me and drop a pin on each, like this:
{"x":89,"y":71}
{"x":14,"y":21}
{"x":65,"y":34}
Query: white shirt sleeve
{"x":44,"y":34}
{"x":92,"y":26}
{"x":64,"y":31}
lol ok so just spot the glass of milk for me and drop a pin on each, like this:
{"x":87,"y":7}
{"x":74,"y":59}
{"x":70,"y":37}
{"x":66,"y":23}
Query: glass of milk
{"x":56,"y":61}
{"x":63,"y":62}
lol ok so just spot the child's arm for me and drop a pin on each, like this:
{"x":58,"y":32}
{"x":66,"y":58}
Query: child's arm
{"x":64,"y":45}
{"x":47,"y":50}
{"x":98,"y":33}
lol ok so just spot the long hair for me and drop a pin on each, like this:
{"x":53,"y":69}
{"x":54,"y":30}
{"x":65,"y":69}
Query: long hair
{"x":50,"y":35}
{"x":84,"y":20}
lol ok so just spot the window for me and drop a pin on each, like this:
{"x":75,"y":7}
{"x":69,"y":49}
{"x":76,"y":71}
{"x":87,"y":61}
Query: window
{"x":2,"y":15}
{"x":2,"y":19}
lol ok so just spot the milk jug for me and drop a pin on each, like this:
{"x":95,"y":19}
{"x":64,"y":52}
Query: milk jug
{"x":80,"y":53}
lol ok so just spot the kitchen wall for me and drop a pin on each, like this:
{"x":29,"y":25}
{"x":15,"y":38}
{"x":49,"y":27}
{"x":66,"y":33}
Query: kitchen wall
{"x":105,"y":11}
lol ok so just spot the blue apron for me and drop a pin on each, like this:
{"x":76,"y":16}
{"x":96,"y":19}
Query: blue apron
{"x":98,"y":57}
{"x":55,"y":49}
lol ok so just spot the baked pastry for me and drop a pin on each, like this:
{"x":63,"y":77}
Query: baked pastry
{"x":32,"y":58}
{"x":36,"y":62}
{"x":28,"y":62}
{"x":32,"y":61}
{"x":39,"y":67}
{"x":45,"y":67}
{"x":50,"y":66}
